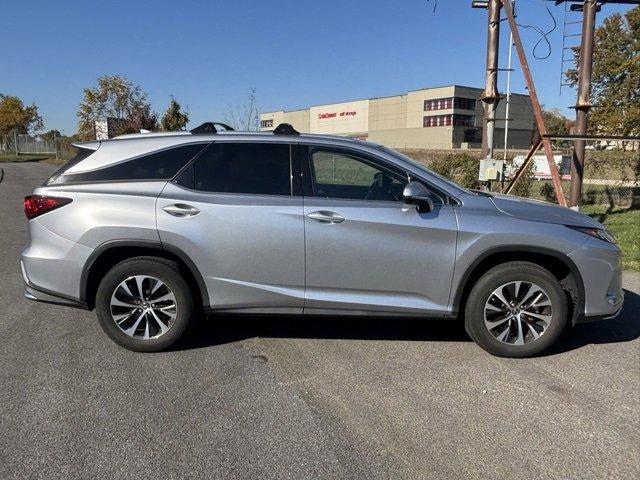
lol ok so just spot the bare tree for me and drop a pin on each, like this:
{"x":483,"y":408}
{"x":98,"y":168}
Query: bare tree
{"x":245,"y":116}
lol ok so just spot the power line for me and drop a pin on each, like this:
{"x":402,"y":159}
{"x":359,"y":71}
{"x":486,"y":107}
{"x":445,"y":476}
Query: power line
{"x":544,"y":36}
{"x":435,"y":5}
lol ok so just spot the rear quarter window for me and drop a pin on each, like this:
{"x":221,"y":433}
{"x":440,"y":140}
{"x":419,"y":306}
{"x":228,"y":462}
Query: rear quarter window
{"x":161,"y":165}
{"x":81,"y":154}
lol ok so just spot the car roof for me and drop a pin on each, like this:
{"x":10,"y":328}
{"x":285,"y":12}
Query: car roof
{"x":211,"y":131}
{"x":241,"y":135}
{"x":126,"y":147}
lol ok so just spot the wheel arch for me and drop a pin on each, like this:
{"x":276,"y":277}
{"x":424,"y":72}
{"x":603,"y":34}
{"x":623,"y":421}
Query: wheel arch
{"x":107,"y":255}
{"x":557,"y":263}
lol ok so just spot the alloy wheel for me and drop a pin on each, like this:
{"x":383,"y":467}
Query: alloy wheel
{"x":143,"y":307}
{"x":518,"y":312}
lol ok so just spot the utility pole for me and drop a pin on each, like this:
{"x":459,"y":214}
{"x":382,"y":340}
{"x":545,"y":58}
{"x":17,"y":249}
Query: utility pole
{"x":490,"y":96}
{"x":583,"y":102}
{"x":506,"y":111}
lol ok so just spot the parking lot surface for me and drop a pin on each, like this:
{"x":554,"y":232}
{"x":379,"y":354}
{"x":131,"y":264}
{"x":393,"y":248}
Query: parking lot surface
{"x":265,"y":397}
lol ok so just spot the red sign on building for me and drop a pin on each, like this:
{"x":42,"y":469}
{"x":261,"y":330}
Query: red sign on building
{"x":334,"y":114}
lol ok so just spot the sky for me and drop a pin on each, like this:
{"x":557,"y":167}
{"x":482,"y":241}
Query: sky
{"x":208,"y":54}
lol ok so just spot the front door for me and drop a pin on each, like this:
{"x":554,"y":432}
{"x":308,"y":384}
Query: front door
{"x":367,"y":251}
{"x":233,"y":213}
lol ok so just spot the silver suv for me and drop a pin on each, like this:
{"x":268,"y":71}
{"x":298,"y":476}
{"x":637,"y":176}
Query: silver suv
{"x":151,"y":229}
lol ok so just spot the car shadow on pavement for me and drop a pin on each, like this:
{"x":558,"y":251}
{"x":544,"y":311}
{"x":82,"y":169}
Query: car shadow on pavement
{"x":624,"y":328}
{"x":222,"y":329}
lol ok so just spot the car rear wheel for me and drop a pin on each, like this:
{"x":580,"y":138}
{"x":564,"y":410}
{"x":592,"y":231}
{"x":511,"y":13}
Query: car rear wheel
{"x":517,"y":309}
{"x":144,"y":304}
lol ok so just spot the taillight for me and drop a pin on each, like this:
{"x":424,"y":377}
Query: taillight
{"x":35,"y":205}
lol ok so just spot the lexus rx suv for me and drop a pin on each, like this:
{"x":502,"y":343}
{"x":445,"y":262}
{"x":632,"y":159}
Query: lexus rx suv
{"x":152,"y":230}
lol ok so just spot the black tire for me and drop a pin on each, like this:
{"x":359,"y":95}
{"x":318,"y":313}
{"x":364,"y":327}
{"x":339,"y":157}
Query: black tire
{"x":494,"y":279}
{"x":167,"y":272}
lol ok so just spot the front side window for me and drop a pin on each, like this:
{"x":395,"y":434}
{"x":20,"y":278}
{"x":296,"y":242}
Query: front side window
{"x":160,"y":165}
{"x":342,"y":174}
{"x":247,"y":168}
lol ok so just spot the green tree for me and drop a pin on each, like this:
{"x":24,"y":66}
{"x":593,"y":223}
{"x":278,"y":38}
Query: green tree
{"x":115,"y":97}
{"x":555,"y":121}
{"x":51,"y":135}
{"x":616,"y":75}
{"x":174,"y":117}
{"x":15,"y":117}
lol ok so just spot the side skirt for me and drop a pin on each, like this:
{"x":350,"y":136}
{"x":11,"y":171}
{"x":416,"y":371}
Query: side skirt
{"x":38,"y":295}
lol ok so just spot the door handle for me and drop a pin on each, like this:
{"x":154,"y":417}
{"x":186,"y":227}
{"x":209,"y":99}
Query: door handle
{"x":181,"y":210}
{"x":324,"y":216}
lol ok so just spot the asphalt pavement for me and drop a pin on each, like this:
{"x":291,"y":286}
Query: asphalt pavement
{"x":268,"y":397}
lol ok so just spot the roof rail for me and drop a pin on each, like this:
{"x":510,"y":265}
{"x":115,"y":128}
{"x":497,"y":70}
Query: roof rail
{"x":285,"y":129}
{"x":210,"y":127}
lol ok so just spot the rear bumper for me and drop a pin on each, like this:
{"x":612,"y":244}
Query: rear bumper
{"x":51,"y":264}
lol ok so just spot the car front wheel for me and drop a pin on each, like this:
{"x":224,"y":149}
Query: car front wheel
{"x":517,"y":309}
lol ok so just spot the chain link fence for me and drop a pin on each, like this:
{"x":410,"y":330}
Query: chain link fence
{"x":612,"y":193}
{"x":30,"y":145}
{"x":24,"y":144}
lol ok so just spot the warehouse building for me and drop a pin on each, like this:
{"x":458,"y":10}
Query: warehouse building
{"x":431,"y":118}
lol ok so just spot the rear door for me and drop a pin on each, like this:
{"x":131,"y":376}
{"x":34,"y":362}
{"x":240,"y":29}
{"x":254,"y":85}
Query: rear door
{"x":233,"y":213}
{"x":366,"y":250}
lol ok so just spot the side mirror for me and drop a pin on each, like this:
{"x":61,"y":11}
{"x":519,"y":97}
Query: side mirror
{"x":417,"y":194}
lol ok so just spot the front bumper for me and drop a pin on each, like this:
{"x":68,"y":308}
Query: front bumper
{"x":618,"y":300}
{"x":599,"y":264}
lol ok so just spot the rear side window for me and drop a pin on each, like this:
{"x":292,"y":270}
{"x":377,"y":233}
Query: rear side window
{"x":161,"y":165}
{"x":249,"y":168}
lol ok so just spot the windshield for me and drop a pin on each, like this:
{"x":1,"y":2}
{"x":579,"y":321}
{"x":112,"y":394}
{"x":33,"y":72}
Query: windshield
{"x":423,"y":167}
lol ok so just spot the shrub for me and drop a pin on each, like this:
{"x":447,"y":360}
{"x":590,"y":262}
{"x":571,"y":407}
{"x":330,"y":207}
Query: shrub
{"x":459,"y":167}
{"x":547,"y":192}
{"x":524,"y":185}
{"x":614,"y":165}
